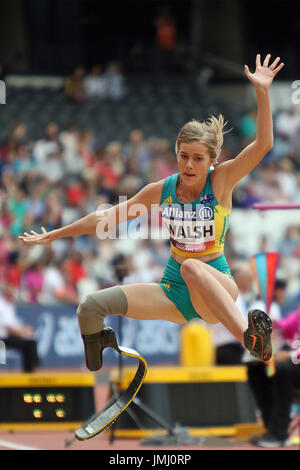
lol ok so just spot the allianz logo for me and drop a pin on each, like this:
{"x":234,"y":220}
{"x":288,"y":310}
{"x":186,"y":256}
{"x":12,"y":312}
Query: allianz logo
{"x":185,"y":213}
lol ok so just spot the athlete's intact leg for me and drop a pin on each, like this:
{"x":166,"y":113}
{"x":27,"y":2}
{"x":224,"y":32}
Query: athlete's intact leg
{"x":213,"y":295}
{"x":149,"y":302}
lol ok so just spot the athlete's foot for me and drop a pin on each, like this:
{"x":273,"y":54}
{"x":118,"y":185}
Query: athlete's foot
{"x":257,"y":337}
{"x":94,"y":345}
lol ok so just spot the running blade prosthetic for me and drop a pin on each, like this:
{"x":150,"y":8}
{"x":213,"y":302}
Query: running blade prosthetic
{"x":101,"y":421}
{"x":257,"y":337}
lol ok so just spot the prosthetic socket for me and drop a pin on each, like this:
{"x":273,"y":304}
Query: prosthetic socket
{"x":91,"y":313}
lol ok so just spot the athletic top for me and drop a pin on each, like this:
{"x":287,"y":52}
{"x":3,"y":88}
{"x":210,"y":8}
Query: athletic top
{"x":197,"y":228}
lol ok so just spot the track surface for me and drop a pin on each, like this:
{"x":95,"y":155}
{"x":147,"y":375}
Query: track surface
{"x":56,"y":440}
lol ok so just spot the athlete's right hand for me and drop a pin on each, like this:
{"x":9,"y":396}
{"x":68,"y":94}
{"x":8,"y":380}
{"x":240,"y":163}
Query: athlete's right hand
{"x":38,"y":238}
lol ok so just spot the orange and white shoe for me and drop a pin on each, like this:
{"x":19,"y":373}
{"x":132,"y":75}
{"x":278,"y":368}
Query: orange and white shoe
{"x":257,"y":337}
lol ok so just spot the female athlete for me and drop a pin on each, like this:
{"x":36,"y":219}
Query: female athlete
{"x":195,"y":206}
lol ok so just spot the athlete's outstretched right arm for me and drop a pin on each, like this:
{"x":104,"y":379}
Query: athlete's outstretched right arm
{"x":118,"y":214}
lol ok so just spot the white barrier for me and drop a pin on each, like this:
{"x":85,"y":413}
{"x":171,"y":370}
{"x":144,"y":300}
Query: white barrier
{"x":2,"y":92}
{"x":2,"y":353}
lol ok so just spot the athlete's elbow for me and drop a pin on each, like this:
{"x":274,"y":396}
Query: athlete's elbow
{"x":269,"y":145}
{"x":264,"y":147}
{"x":269,"y":142}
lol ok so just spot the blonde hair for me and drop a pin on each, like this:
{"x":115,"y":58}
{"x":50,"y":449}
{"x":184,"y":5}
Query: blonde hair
{"x":209,"y":133}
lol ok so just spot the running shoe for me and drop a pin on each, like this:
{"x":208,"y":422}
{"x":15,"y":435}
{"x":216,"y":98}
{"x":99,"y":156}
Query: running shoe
{"x":269,"y":441}
{"x":257,"y":337}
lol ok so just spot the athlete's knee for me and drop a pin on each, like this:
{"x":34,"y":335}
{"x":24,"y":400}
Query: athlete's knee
{"x":93,"y":309}
{"x":190,"y":268}
{"x":86,"y":307}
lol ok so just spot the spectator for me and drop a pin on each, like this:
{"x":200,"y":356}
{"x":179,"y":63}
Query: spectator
{"x":228,"y":350}
{"x":106,"y":171}
{"x":231,"y":252}
{"x":85,"y":148}
{"x":9,"y":150}
{"x":137,"y":149}
{"x":74,"y":268}
{"x":14,"y":334}
{"x":6,"y":216}
{"x":96,"y":84}
{"x":115,"y":82}
{"x":287,"y":179}
{"x":166,"y":33}
{"x":278,"y":299}
{"x":136,"y":145}
{"x":35,"y":206}
{"x":277,"y":393}
{"x":69,"y":293}
{"x":47,"y":154}
{"x":296,"y":196}
{"x":291,"y":240}
{"x":132,"y":181}
{"x":141,"y":259}
{"x":295,"y":150}
{"x":23,"y":163}
{"x":114,"y":154}
{"x":287,"y":124}
{"x":273,"y":399}
{"x":289,"y":326}
{"x":17,"y":205}
{"x":53,"y":207}
{"x":54,"y":286}
{"x":287,"y":128}
{"x":247,"y":127}
{"x":72,"y":159}
{"x":32,"y":282}
{"x":14,"y":271}
{"x":270,"y":186}
{"x":75,"y":193}
{"x":252,"y":195}
{"x":101,"y":267}
{"x":75,"y":88}
{"x":165,"y":39}
{"x":163,"y":164}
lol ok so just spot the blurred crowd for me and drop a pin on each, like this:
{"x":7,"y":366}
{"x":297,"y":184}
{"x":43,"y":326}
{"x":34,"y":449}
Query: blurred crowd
{"x":99,"y":83}
{"x":278,"y":177}
{"x":68,"y":173}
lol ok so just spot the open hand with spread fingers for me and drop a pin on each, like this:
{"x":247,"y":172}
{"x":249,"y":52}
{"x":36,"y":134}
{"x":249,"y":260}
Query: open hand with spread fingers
{"x":264,"y":74}
{"x":37,"y":238}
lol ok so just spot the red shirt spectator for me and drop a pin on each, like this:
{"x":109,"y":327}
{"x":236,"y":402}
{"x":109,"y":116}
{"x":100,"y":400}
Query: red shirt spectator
{"x":106,"y":172}
{"x":13,"y":276}
{"x":74,"y":270}
{"x":75,"y":194}
{"x":166,"y":32}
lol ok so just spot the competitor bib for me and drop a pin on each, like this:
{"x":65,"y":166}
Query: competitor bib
{"x":191,"y":227}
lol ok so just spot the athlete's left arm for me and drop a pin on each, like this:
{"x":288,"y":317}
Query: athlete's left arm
{"x":250,"y":157}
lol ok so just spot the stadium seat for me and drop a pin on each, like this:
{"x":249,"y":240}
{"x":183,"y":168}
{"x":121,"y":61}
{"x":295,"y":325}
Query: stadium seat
{"x":162,"y":107}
